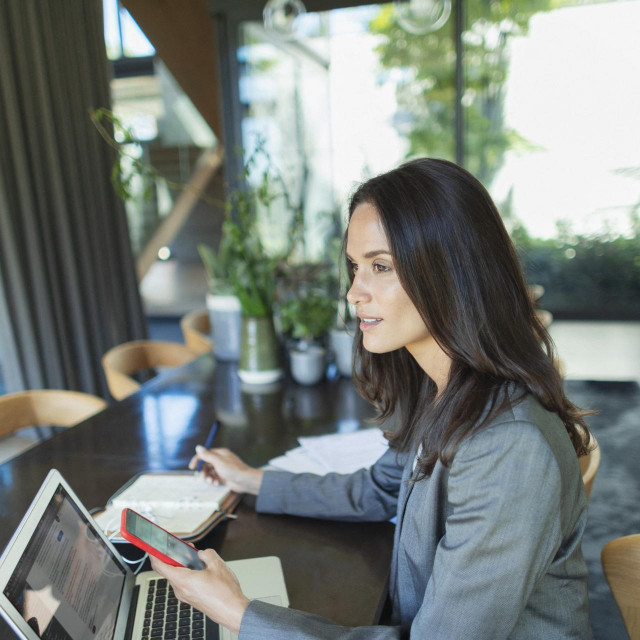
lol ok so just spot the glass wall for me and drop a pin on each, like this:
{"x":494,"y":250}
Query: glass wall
{"x":567,"y":175}
{"x":326,"y":110}
{"x":285,"y":87}
{"x":551,"y":93}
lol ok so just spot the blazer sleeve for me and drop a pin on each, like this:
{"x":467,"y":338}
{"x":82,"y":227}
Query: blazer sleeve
{"x":266,"y":621}
{"x":368,"y":494}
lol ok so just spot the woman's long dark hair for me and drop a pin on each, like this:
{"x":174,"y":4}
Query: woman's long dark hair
{"x":458,"y":266}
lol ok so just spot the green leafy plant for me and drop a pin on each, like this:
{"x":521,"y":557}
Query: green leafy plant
{"x":426,"y":95}
{"x":308,"y":298}
{"x":242,"y":265}
{"x":308,"y":317}
{"x":216,"y":266}
{"x":129,"y":166}
{"x":584,"y":277}
{"x":251,"y":271}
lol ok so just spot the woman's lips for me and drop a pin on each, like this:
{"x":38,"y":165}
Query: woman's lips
{"x":367,"y":324}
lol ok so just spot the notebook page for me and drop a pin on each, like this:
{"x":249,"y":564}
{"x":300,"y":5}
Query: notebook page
{"x":171,"y":491}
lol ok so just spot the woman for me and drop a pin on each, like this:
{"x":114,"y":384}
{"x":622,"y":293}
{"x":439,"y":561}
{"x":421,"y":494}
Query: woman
{"x":483,"y":471}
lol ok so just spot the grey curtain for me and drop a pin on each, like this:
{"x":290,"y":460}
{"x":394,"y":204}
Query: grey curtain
{"x":68,"y":290}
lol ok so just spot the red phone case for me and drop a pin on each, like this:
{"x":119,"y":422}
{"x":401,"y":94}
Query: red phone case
{"x":143,"y":545}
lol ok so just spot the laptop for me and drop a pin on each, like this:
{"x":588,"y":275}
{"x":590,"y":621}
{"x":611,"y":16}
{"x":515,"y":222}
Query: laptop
{"x":62,"y":579}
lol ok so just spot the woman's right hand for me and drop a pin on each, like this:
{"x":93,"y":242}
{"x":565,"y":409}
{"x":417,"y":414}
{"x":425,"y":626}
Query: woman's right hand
{"x":213,"y":590}
{"x":222,"y":466}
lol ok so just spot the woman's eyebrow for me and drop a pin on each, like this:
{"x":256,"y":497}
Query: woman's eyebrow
{"x":371,"y":254}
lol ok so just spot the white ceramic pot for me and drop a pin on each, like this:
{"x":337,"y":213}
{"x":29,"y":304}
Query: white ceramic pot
{"x":225,"y":317}
{"x":308,"y":366}
{"x":341,"y":341}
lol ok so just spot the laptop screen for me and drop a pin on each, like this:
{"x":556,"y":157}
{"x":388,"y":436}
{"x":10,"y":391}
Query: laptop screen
{"x":67,"y":584}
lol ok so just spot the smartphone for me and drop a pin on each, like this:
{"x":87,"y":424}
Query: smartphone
{"x":157,"y":541}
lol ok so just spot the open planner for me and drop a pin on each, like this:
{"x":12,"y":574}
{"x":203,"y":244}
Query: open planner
{"x":179,"y":501}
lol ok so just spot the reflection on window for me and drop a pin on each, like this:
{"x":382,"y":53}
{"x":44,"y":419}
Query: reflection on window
{"x":166,"y":419}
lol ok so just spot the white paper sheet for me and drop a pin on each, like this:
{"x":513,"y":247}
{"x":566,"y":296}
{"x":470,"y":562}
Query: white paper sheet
{"x":339,"y":452}
{"x":298,"y":461}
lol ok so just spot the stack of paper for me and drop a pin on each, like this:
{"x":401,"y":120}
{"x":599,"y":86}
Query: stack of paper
{"x":339,"y":452}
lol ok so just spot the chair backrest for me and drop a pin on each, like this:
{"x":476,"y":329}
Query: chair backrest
{"x":46,"y":407}
{"x":130,"y":357}
{"x":535,"y":291}
{"x":196,"y":330}
{"x":621,"y":565}
{"x":545,"y":317}
{"x":589,"y":465}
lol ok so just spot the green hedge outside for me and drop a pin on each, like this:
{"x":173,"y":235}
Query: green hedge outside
{"x":584,"y":278}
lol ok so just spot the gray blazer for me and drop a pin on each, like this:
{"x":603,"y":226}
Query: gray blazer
{"x":487,"y":548}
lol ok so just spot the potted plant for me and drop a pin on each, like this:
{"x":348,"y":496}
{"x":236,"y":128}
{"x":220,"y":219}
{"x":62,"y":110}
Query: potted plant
{"x":243,"y":266}
{"x":307,"y":318}
{"x":252,"y":274}
{"x":306,"y":290}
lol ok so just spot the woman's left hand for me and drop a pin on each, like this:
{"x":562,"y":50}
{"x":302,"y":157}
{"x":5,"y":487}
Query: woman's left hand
{"x":214,"y":590}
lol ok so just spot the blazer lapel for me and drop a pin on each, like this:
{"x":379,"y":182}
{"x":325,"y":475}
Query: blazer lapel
{"x":405,"y":491}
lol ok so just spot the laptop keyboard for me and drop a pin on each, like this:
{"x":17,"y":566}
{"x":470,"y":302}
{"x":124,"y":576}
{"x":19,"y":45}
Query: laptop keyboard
{"x":165,"y":617}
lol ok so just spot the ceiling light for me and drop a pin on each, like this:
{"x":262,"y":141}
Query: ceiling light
{"x":281,"y":15}
{"x":420,"y":17}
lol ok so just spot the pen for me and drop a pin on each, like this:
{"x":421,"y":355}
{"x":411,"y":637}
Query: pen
{"x":209,"y":442}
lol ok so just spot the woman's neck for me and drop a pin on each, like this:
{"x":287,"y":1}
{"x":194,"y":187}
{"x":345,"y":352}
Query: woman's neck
{"x":432,"y":360}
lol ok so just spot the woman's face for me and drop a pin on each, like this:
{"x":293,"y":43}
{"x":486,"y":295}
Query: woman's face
{"x":388,"y":318}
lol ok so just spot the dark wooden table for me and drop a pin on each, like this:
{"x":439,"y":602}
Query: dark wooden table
{"x":338,"y":570}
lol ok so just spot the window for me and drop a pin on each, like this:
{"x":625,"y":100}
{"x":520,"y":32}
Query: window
{"x":549,"y":98}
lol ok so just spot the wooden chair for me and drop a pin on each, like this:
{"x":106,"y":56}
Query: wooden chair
{"x":589,"y":466}
{"x":46,"y":407}
{"x":545,"y":317}
{"x":621,"y":565}
{"x":196,"y":330}
{"x":536,"y":291}
{"x":120,"y":362}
